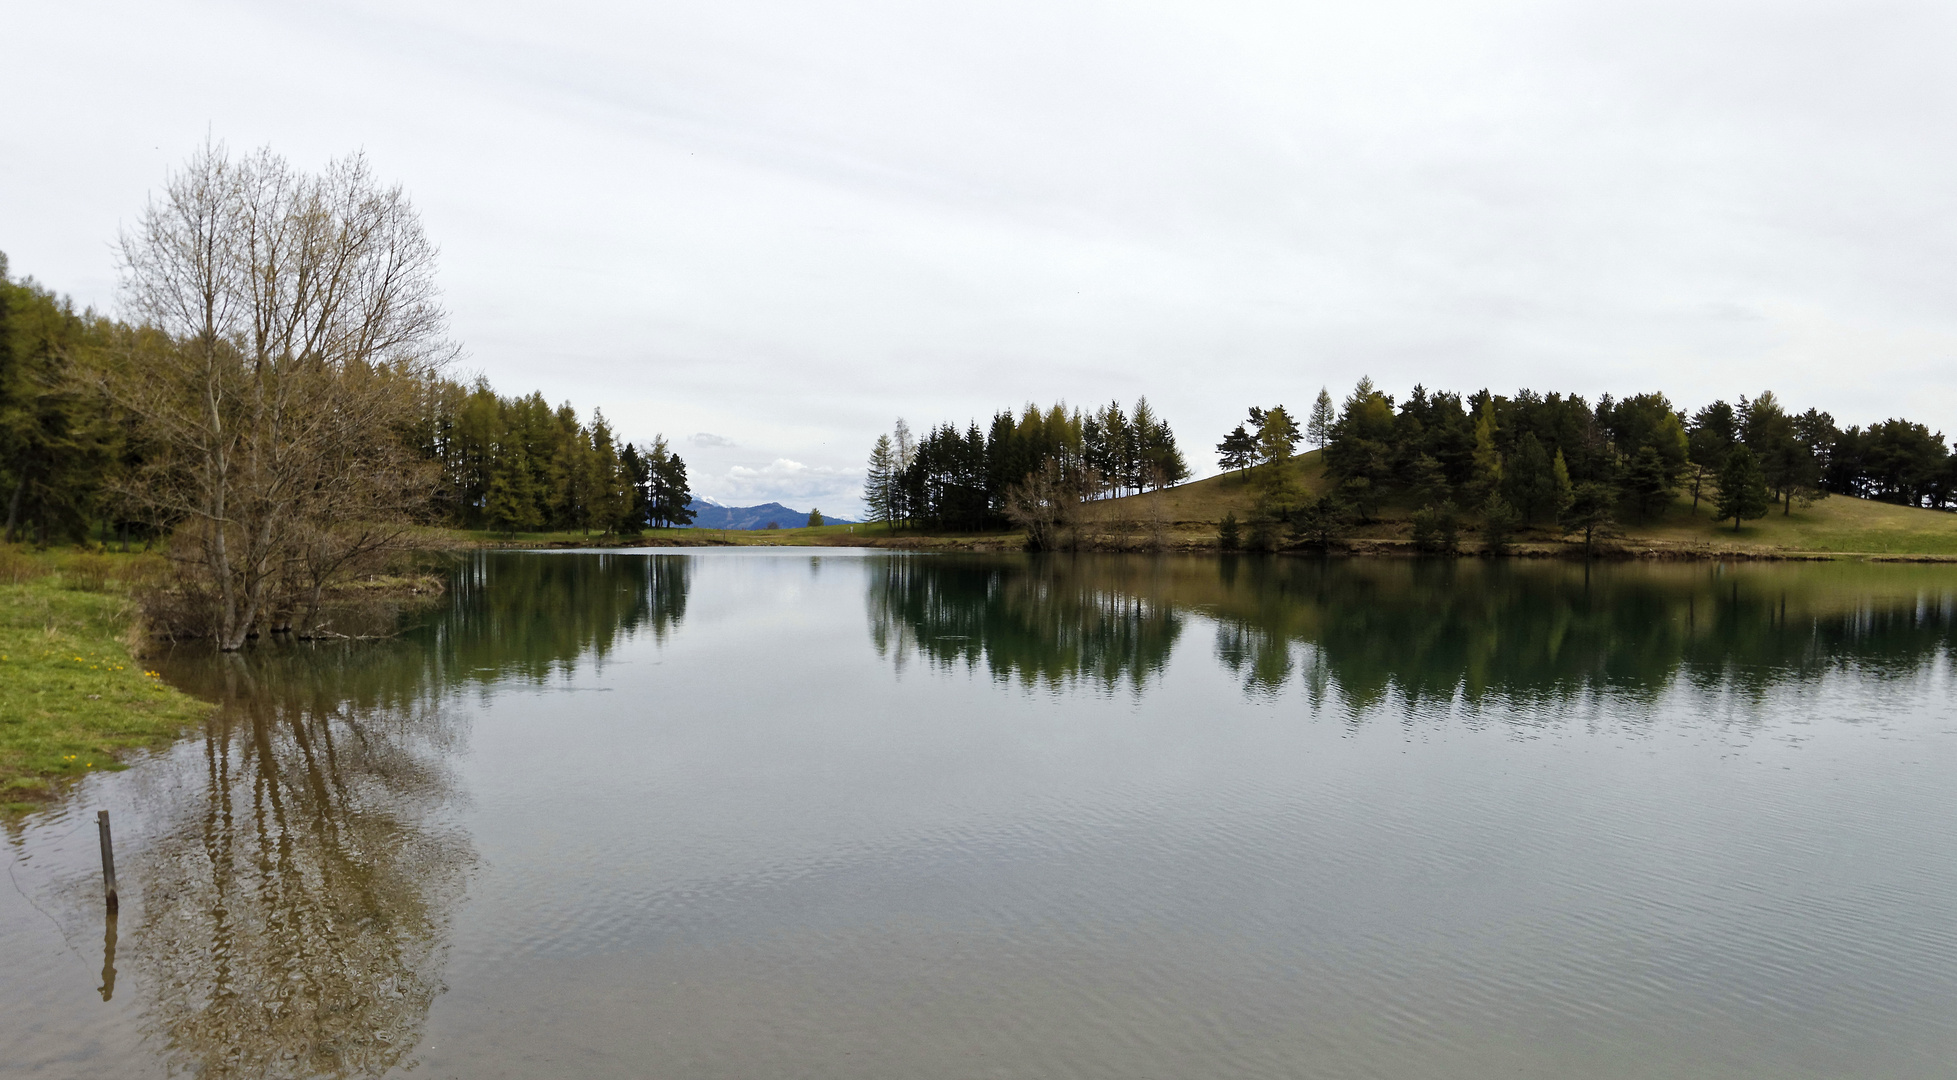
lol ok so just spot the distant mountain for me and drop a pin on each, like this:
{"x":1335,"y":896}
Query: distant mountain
{"x":709,"y":515}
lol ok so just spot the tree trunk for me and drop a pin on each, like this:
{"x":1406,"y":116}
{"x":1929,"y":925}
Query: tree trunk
{"x":312,"y":614}
{"x":13,"y":506}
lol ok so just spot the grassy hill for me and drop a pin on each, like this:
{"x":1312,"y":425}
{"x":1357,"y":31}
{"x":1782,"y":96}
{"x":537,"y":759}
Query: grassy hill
{"x":1837,"y":525}
{"x":1186,"y":518}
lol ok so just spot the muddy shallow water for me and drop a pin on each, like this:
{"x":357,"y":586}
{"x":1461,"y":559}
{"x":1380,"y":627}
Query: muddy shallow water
{"x":765,"y":813}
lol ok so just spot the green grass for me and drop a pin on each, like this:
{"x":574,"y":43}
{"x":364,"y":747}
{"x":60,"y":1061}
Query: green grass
{"x":72,"y":696}
{"x":1837,"y":525}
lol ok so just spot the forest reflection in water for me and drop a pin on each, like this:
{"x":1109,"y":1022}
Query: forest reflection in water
{"x":1419,"y":630}
{"x":296,"y":900}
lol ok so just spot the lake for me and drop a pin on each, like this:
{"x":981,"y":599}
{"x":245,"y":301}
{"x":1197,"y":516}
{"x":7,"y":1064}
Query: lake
{"x":775,"y":813}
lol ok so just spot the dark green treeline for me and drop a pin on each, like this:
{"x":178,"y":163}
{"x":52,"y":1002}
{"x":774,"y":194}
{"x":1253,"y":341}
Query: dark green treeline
{"x":1557,"y":459}
{"x":60,"y":440}
{"x":518,"y":464}
{"x":503,"y":463}
{"x":964,"y":479}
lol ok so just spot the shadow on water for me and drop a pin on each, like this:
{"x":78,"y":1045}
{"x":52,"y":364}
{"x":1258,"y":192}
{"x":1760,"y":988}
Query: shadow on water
{"x":1424,"y":631}
{"x":298,"y":891}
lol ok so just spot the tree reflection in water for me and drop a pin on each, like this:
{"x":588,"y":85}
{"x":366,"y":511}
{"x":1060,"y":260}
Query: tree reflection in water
{"x":296,"y":905}
{"x":530,"y":614}
{"x":1545,"y":632}
{"x":1040,"y":620}
{"x":1421,"y":631}
{"x":295,"y":909}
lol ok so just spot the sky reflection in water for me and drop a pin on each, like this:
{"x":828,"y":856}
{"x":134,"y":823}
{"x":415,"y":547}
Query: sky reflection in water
{"x":680,"y":814}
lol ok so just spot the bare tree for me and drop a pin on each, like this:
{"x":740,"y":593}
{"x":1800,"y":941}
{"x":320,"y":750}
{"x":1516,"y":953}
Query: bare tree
{"x":1045,"y":504}
{"x":291,"y":321}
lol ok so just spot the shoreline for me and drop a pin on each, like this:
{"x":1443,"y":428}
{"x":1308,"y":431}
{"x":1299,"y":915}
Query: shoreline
{"x":1615,"y":550}
{"x":78,"y":698}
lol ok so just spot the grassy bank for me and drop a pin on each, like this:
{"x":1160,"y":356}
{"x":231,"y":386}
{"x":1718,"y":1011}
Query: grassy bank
{"x":73,"y":694}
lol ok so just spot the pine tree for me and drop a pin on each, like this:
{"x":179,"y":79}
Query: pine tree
{"x":1589,"y":510}
{"x":671,"y":496}
{"x":601,"y":500}
{"x":1743,"y":491}
{"x":1713,"y":432}
{"x":1238,"y":450}
{"x":1529,"y":482}
{"x":1319,"y":427}
{"x":1561,"y":492}
{"x":1648,"y":482}
{"x":1498,"y":524}
{"x":511,"y":502}
{"x":1487,"y":460}
{"x":632,"y":468}
{"x":1160,"y":462}
{"x":1277,"y":439}
{"x":658,"y":464}
{"x":879,"y":482}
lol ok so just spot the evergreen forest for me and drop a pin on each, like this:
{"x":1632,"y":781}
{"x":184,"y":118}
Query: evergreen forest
{"x":967,"y":480}
{"x":1555,"y":459}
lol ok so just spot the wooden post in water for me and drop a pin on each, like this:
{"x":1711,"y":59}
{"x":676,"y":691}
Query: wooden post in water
{"x":108,"y":857}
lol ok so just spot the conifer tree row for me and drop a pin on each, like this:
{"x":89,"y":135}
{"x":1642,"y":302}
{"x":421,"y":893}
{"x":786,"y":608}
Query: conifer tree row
{"x":1555,"y":459}
{"x":516,"y":464}
{"x":963,"y":480}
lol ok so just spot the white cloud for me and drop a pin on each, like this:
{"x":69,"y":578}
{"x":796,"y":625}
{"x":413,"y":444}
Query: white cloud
{"x":707,"y":438}
{"x":791,"y":483}
{"x":790,"y":221}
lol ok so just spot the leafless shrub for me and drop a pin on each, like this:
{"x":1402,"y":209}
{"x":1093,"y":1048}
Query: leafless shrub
{"x":289,"y":322}
{"x":1046,"y":505}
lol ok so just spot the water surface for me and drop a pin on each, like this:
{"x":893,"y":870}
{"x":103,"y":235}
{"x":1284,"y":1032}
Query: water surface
{"x":767,"y":813}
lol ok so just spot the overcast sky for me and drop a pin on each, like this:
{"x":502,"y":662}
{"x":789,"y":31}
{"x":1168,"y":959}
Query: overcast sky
{"x":768,"y":229}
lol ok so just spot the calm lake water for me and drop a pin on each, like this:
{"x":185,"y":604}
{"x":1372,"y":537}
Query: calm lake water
{"x":769,"y":813}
